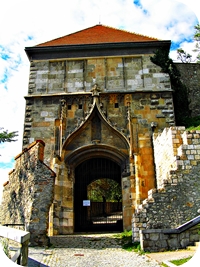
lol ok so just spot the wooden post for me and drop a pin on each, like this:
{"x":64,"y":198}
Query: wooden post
{"x":24,"y":254}
{"x":21,"y":237}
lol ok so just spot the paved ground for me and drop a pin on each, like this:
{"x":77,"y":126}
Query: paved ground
{"x":95,"y":250}
{"x":102,"y":250}
{"x":171,"y":255}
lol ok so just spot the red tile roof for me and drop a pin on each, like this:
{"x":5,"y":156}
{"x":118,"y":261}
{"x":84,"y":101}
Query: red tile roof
{"x":98,"y":34}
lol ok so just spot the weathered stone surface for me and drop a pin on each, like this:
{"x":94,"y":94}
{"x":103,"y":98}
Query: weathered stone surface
{"x":28,"y":195}
{"x":133,"y":82}
{"x":190,"y":76}
{"x":176,"y":198}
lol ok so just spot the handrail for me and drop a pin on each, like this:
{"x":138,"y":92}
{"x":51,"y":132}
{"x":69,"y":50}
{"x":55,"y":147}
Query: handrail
{"x":21,"y":237}
{"x":5,"y":260}
{"x":13,"y":224}
{"x":182,"y":228}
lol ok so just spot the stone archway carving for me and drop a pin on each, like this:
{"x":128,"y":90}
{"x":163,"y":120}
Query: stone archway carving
{"x":96,"y":137}
{"x":95,"y":150}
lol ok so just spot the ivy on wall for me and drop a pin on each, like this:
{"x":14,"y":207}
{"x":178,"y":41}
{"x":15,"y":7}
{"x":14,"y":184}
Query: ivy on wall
{"x":180,"y":96}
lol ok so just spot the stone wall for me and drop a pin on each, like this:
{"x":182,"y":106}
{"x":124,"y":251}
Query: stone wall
{"x":132,"y":94}
{"x":28,"y":193}
{"x":51,"y":81}
{"x":176,"y":200}
{"x":110,"y":73}
{"x":155,"y":240}
{"x":166,"y":146}
{"x":58,"y":106}
{"x":190,"y":76}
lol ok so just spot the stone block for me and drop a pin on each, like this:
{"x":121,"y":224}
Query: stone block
{"x":154,"y":236}
{"x":173,"y":243}
{"x":41,"y":124}
{"x":135,"y":219}
{"x":67,"y":230}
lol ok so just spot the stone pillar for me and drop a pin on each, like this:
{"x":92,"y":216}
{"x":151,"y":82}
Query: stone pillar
{"x":126,"y":203}
{"x":67,"y":209}
{"x":41,"y":146}
{"x":51,"y":211}
{"x":137,"y":181}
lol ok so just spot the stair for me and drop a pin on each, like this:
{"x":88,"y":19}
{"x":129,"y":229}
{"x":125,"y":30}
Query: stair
{"x":194,"y":248}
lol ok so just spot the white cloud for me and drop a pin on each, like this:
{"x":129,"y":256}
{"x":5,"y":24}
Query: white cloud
{"x":27,"y":23}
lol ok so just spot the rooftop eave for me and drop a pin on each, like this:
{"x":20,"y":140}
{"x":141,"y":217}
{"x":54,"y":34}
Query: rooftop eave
{"x":94,"y":50}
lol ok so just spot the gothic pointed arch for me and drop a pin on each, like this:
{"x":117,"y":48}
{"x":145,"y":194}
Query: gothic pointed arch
{"x":96,"y":135}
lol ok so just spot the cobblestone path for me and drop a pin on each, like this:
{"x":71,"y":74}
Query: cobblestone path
{"x":87,"y":250}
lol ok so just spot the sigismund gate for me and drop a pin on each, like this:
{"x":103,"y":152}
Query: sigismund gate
{"x":94,"y":101}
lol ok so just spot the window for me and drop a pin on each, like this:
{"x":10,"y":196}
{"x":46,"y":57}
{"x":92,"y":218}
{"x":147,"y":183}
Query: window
{"x":116,"y":105}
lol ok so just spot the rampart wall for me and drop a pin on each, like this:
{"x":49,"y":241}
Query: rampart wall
{"x":176,"y":199}
{"x":165,"y":153}
{"x":190,"y":76}
{"x":28,"y":193}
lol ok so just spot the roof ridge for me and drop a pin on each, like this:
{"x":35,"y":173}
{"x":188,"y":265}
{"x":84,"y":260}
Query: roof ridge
{"x":129,"y":31}
{"x":93,"y":34}
{"x":66,"y":35}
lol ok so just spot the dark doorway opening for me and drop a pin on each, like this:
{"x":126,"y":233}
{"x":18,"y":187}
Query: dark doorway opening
{"x":100,"y":210}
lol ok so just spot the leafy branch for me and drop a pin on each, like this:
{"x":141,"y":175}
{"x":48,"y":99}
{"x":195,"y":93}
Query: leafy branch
{"x":6,"y":136}
{"x":184,"y":56}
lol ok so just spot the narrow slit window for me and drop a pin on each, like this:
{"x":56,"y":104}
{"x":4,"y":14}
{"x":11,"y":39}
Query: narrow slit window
{"x":69,"y":107}
{"x":116,"y":105}
{"x":80,"y":106}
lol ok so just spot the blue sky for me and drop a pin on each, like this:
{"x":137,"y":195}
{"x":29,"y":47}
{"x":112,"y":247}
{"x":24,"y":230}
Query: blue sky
{"x":139,"y":5}
{"x":24,"y":24}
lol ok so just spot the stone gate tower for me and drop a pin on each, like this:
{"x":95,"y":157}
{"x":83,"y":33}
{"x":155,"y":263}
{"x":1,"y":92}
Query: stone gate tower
{"x":95,"y":98}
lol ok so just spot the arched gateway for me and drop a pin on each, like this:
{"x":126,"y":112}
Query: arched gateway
{"x":95,"y":151}
{"x":98,"y":215}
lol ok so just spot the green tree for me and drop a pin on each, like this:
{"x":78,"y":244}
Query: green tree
{"x":108,"y":189}
{"x":184,"y":56}
{"x":181,"y":105}
{"x":197,"y":39}
{"x":6,"y":136}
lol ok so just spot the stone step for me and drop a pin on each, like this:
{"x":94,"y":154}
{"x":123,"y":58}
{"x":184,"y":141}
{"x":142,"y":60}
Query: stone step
{"x":194,"y":248}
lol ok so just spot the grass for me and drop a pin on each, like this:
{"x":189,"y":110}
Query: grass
{"x":181,"y":261}
{"x":193,"y":128}
{"x":127,"y":243}
{"x":4,"y":242}
{"x":192,"y":123}
{"x":178,"y":262}
{"x":132,"y":246}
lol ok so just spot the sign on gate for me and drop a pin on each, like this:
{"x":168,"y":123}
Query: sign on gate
{"x":86,"y":203}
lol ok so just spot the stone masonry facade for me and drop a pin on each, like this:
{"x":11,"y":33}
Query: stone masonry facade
{"x":28,"y":194}
{"x":133,"y":93}
{"x":176,"y":198}
{"x":72,"y":81}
